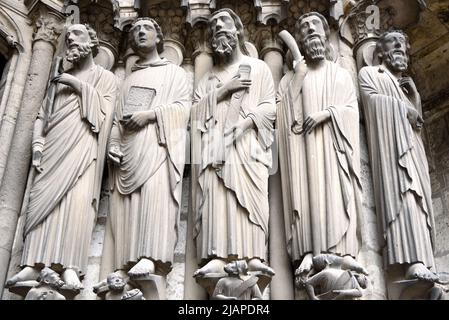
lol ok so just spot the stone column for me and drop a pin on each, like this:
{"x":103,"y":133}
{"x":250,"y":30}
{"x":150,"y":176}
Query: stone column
{"x":363,"y":33}
{"x":202,"y":61}
{"x":48,"y":28}
{"x":282,"y":285}
{"x":12,"y":104}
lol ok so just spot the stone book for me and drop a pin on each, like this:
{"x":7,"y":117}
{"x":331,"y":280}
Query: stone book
{"x":139,"y":99}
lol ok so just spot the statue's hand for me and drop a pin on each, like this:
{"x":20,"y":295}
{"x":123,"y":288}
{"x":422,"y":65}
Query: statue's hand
{"x":414,"y":118}
{"x":314,"y":120}
{"x":68,"y":80}
{"x":238,"y":130}
{"x":115,"y":154}
{"x":408,"y":86}
{"x":37,"y":147}
{"x":138,"y":119}
{"x":236,"y":84}
{"x":36,"y":162}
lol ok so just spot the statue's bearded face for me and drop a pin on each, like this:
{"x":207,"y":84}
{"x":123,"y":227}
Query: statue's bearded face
{"x":78,"y":43}
{"x":231,"y":268}
{"x":53,"y":279}
{"x":395,"y":51}
{"x":144,"y":35}
{"x":116,"y":282}
{"x":224,"y":34}
{"x":313,"y":38}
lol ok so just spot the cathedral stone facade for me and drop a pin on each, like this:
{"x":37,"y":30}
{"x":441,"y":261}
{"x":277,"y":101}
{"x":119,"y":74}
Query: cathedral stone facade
{"x":34,"y":33}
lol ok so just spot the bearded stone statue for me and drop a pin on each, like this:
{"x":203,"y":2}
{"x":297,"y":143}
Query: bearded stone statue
{"x":69,"y":144}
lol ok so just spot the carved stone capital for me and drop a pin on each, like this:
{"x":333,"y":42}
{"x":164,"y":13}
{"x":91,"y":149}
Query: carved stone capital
{"x":48,"y":25}
{"x":275,"y":10}
{"x":198,"y":10}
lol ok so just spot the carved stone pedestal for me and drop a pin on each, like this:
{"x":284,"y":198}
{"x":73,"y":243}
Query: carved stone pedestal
{"x":22,"y":288}
{"x":152,"y":286}
{"x":234,"y":282}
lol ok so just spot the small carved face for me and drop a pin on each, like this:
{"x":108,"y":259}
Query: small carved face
{"x":77,"y":33}
{"x":115,"y":282}
{"x":231,"y":268}
{"x":145,"y":36}
{"x":51,"y":278}
{"x":394,"y":47}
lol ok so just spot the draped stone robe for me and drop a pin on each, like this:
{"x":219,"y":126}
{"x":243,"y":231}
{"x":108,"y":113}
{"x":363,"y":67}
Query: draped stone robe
{"x":64,"y":197}
{"x":231,"y":198}
{"x":329,"y":157}
{"x":400,"y":170}
{"x":146,"y":196}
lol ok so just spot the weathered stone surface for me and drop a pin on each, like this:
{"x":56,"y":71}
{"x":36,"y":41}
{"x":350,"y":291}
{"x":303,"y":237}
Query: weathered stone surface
{"x":429,"y":36}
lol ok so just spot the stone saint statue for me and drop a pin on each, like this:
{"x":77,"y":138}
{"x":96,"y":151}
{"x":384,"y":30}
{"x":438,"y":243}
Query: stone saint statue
{"x":69,"y":145}
{"x":147,"y":157}
{"x":318,"y":123}
{"x":238,"y":285}
{"x":232,"y":123}
{"x":392,"y":109}
{"x":48,"y":287}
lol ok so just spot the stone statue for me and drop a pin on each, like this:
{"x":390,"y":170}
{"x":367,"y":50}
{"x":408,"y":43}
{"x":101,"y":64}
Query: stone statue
{"x":336,"y":278}
{"x":238,"y":285}
{"x":318,"y":123}
{"x":48,"y":287}
{"x":117,"y":289}
{"x":147,"y":157}
{"x":69,"y":144}
{"x":392,"y":109}
{"x":232,"y":124}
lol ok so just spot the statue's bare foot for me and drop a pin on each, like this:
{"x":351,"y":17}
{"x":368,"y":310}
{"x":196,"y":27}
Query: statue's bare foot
{"x":142,"y":268}
{"x":71,"y":279}
{"x":349,"y":263}
{"x":421,"y":272}
{"x":213,"y":266}
{"x":257,"y":265}
{"x":26,"y":274}
{"x":306,"y":265}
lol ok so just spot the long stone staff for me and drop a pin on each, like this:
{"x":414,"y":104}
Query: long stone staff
{"x":49,"y":101}
{"x":311,"y":156}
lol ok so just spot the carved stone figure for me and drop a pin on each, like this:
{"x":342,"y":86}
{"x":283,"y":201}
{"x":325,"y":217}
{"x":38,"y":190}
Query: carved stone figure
{"x":147,"y":156}
{"x":335,"y":278}
{"x":392,"y":108}
{"x":232,"y":120}
{"x":117,"y":289}
{"x":238,"y":285}
{"x":318,"y":123}
{"x":47,"y":289}
{"x":69,"y":144}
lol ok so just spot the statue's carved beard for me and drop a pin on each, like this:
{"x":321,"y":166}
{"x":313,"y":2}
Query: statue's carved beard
{"x":56,"y":283}
{"x":396,"y":59}
{"x":78,"y":51}
{"x":116,"y":287}
{"x":315,"y":48}
{"x":224,"y":43}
